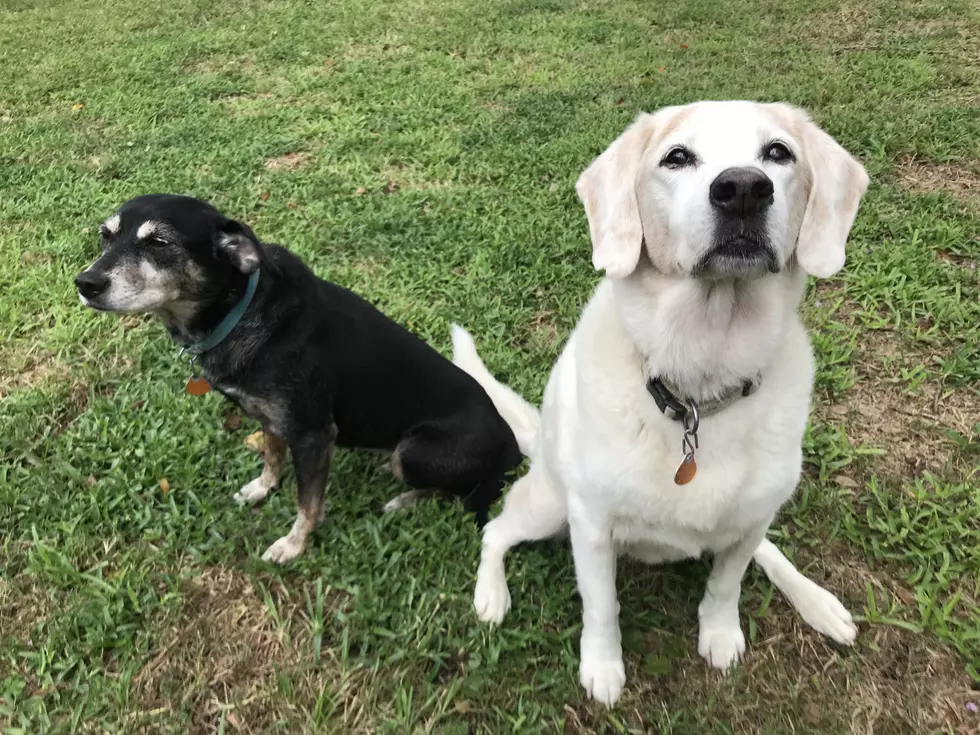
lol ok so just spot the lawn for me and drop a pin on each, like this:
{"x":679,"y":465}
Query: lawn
{"x":424,"y":153}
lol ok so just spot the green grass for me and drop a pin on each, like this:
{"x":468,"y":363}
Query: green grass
{"x":441,"y":140}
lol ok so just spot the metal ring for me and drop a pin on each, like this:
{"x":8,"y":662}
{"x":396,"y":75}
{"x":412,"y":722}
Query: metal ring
{"x":692,"y":418}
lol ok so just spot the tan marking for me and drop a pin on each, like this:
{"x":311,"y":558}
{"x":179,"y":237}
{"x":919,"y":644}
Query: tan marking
{"x":275,"y":458}
{"x":395,"y":463}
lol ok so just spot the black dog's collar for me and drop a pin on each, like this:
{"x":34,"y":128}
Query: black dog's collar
{"x":675,"y":408}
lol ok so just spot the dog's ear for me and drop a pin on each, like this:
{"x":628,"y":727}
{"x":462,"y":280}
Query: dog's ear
{"x":837,"y":183}
{"x":607,"y":189}
{"x":236,"y":244}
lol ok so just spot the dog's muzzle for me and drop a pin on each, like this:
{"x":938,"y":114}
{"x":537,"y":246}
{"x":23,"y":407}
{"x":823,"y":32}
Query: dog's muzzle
{"x":740,"y":198}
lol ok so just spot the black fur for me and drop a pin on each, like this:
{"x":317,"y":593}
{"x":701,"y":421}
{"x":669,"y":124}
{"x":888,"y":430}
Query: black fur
{"x":315,"y":363}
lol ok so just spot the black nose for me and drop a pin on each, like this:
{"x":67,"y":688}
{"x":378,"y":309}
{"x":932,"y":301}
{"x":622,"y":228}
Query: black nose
{"x":741,"y":191}
{"x":90,"y":284}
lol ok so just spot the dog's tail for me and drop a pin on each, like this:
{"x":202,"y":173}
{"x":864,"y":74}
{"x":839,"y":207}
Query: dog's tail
{"x":523,"y":418}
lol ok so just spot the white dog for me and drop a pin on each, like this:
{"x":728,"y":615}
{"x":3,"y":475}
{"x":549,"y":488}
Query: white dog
{"x":672,"y":422}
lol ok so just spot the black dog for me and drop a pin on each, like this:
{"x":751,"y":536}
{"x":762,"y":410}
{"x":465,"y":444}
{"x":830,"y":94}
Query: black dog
{"x":316,"y":364}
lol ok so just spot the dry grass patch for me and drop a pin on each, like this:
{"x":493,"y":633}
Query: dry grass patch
{"x":909,"y":426}
{"x":928,"y":177}
{"x":24,"y":605}
{"x":847,"y":23}
{"x":287,"y":161}
{"x":30,"y":371}
{"x":237,"y":654}
{"x":792,"y":679}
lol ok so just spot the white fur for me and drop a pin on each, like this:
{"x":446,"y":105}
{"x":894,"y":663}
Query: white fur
{"x":113,"y":225}
{"x":254,"y":492}
{"x":292,"y":544}
{"x":603,"y":456}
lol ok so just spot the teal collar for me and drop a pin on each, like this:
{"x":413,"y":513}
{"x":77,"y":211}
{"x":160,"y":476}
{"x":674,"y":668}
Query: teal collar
{"x":229,"y":322}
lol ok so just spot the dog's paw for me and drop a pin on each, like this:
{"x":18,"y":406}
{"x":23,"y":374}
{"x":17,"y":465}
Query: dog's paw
{"x":283,"y":551}
{"x":721,"y":646}
{"x":826,"y":614}
{"x":405,"y":500}
{"x":254,"y":492}
{"x":491,"y":597}
{"x":603,"y":680}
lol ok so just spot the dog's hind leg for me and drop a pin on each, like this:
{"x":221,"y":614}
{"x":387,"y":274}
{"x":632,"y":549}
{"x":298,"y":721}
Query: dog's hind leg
{"x":533,"y":510}
{"x":818,"y":607}
{"x":275,"y":459}
{"x":311,"y":456}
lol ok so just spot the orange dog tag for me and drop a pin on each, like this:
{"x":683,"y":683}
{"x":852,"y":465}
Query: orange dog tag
{"x":198,"y":386}
{"x":686,"y":470}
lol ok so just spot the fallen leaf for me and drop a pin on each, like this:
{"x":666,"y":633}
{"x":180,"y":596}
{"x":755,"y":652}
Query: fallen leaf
{"x":905,"y":595}
{"x":360,"y":190}
{"x":662,"y":68}
{"x":90,"y":481}
{"x":233,"y":421}
{"x":255,"y":442}
{"x":164,"y":485}
{"x":264,"y":196}
{"x":391,"y":186}
{"x":621,"y":100}
{"x":845,"y":481}
{"x":291,"y":205}
{"x":137,"y":406}
{"x":683,"y":45}
{"x":234,"y":721}
{"x":77,"y":107}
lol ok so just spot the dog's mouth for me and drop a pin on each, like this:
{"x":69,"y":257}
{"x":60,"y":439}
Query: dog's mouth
{"x":738,"y":255}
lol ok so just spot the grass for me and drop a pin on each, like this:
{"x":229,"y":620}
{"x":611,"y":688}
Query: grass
{"x":424,"y":153}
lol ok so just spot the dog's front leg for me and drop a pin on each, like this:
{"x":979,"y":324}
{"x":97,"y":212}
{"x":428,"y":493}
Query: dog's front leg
{"x":720,"y":639}
{"x":601,"y":670}
{"x":274,"y":455}
{"x":311,"y":458}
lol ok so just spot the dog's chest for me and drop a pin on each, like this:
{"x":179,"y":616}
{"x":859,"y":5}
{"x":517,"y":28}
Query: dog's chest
{"x":738,"y":485}
{"x":270,"y":413}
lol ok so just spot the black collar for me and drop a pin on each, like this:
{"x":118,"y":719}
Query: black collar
{"x":675,"y":408}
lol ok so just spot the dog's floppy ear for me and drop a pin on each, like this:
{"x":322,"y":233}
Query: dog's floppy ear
{"x":837,"y":183}
{"x":235,"y":243}
{"x":607,"y":189}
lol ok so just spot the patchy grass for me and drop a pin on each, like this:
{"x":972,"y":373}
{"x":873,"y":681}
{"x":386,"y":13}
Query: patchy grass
{"x":424,"y":154}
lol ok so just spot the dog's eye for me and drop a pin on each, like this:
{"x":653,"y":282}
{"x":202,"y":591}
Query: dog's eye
{"x":777,"y":153}
{"x":678,"y":157}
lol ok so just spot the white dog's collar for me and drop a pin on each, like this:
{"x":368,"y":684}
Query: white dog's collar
{"x":673,"y":407}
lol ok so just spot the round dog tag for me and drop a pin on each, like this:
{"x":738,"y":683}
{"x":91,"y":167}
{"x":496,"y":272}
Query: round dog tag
{"x":198,"y":386}
{"x":686,"y":470}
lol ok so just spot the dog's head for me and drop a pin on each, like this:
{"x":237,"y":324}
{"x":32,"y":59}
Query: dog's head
{"x":169,"y":254}
{"x":722,"y":190}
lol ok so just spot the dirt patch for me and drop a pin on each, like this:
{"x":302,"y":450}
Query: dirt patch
{"x":908,"y":426}
{"x":23,"y":606}
{"x":35,"y":369}
{"x":287,"y":162}
{"x":928,"y":177}
{"x":229,"y":651}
